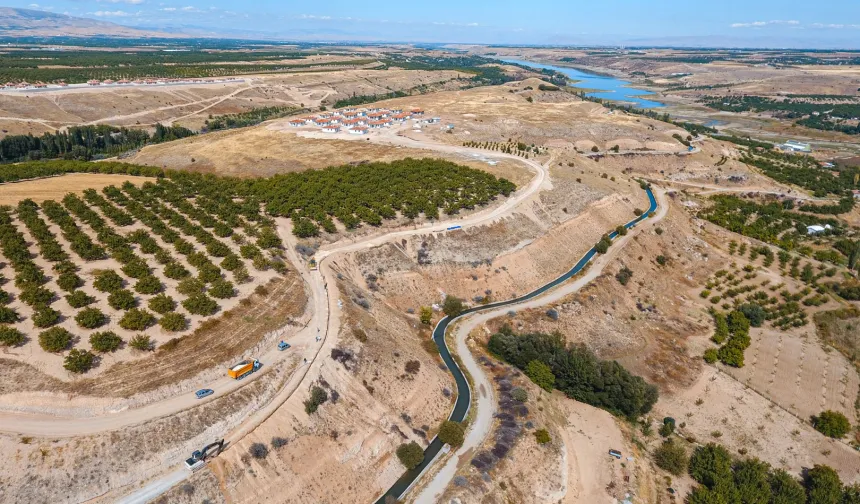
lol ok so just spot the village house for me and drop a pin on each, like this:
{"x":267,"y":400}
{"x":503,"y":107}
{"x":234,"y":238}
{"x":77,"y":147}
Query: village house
{"x":331,"y":128}
{"x":358,"y":131}
{"x":297,"y":122}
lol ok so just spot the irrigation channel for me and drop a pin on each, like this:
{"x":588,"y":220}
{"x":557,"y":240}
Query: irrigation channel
{"x":464,"y":394}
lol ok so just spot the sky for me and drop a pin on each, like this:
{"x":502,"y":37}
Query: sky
{"x":771,"y":23}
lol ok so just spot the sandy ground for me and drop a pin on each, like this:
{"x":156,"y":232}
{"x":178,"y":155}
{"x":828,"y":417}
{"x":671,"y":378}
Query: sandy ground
{"x":745,"y":419}
{"x":190,"y":105}
{"x":54,"y":188}
{"x":350,"y":443}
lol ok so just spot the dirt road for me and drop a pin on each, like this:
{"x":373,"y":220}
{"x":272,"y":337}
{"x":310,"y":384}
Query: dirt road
{"x":707,"y":189}
{"x":325,"y":317}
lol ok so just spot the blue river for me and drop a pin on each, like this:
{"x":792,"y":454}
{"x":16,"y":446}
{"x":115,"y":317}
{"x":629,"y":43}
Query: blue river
{"x":609,"y":88}
{"x":464,"y":395}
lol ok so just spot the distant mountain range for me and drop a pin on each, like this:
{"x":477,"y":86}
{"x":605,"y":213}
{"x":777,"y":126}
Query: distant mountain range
{"x":36,"y":23}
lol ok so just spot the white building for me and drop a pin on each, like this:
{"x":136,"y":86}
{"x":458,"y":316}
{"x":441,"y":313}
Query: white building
{"x":795,"y":146}
{"x":358,"y":131}
{"x":331,"y":128}
{"x":817,"y":229}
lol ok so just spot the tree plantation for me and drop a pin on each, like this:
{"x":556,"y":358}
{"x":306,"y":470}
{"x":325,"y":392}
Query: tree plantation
{"x":155,"y":256}
{"x":372,"y":192}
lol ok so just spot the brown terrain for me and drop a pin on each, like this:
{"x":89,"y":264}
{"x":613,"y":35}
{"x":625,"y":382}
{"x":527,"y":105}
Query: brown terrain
{"x":190,"y":105}
{"x":384,"y":379}
{"x":680,"y":81}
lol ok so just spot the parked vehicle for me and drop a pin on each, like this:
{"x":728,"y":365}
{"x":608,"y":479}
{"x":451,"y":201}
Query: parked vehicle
{"x":192,"y":464}
{"x":243,"y":369}
{"x":283,"y":346}
{"x":198,"y":457}
{"x":615,"y":453}
{"x":204,"y":393}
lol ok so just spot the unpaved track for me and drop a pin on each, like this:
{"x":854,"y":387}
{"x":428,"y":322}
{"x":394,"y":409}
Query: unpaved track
{"x":707,"y":189}
{"x":325,"y":316}
{"x":209,"y":103}
{"x":484,"y":402}
{"x":304,"y":341}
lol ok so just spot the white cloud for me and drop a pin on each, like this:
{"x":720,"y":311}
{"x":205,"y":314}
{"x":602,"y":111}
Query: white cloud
{"x":116,"y":13}
{"x":441,"y":23}
{"x":832,"y":26}
{"x":313,"y":16}
{"x":759,"y":24}
{"x":168,"y":9}
{"x":130,"y":2}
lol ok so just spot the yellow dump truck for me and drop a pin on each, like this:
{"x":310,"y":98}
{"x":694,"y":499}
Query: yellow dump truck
{"x":243,"y":369}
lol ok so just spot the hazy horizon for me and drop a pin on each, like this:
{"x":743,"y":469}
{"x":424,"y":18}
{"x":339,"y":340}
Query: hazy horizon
{"x":762,"y":23}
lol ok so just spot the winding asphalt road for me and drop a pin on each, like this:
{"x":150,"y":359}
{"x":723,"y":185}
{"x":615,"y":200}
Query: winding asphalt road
{"x":484,"y":401}
{"x":324,"y":317}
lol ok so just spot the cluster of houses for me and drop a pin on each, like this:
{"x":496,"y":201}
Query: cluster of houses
{"x":121,"y":82}
{"x":360,"y":121}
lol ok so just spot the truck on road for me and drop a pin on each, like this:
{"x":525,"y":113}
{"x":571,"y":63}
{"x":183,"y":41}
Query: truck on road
{"x":243,"y":369}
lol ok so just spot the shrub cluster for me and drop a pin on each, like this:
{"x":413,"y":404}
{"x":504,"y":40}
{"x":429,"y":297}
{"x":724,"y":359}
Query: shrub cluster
{"x":317,"y":398}
{"x":576,"y":371}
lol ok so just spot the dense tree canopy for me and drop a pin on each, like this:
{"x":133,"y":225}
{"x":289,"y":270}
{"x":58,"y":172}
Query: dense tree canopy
{"x":578,"y":372}
{"x":751,"y":481}
{"x":832,"y":423}
{"x":84,"y":142}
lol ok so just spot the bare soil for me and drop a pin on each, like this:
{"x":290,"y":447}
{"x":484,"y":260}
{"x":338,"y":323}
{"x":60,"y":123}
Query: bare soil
{"x":54,"y":188}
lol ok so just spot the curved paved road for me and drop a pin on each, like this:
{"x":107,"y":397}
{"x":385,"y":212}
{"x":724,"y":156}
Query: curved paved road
{"x":484,"y":401}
